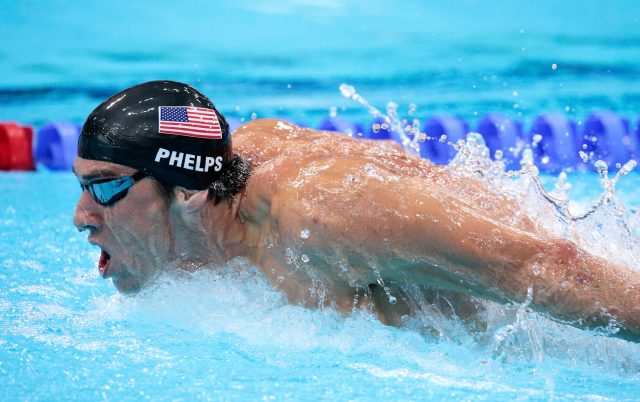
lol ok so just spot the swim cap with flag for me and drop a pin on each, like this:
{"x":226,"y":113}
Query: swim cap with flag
{"x":167,"y":129}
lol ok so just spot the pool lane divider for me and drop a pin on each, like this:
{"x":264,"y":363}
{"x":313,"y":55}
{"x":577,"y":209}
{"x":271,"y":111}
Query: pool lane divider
{"x":441,"y":131}
{"x":610,"y":136}
{"x":57,"y":145}
{"x":559,"y":145}
{"x":557,"y":141}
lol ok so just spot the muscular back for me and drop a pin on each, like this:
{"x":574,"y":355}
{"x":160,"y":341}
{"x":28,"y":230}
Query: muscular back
{"x":329,"y":216}
{"x":330,"y":211}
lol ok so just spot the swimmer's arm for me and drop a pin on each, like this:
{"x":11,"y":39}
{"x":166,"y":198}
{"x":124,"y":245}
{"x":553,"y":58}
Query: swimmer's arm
{"x":585,"y":290}
{"x":462,"y":249}
{"x":554,"y":274}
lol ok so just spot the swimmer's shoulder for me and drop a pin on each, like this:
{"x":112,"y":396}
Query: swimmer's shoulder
{"x":265,"y":128}
{"x":264,"y":140}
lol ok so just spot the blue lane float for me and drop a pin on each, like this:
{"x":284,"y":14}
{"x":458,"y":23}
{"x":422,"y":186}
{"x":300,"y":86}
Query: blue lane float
{"x":608,"y":137}
{"x":342,"y":125}
{"x":57,"y":145}
{"x":233,"y":123}
{"x":378,"y":129}
{"x":501,"y":133}
{"x":556,"y":140}
{"x":557,"y":146}
{"x":441,"y":132}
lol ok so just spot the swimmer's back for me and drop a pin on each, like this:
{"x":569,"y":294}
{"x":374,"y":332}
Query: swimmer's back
{"x":265,"y":140}
{"x":287,"y":157}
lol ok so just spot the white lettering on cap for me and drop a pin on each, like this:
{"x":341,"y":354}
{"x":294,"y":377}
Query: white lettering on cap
{"x":162,"y":153}
{"x":189,"y":161}
{"x":176,"y":159}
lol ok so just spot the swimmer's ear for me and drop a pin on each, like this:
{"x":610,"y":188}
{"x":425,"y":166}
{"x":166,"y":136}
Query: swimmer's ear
{"x":190,"y":200}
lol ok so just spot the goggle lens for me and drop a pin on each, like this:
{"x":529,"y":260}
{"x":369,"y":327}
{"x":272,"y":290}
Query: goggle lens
{"x":108,"y":191}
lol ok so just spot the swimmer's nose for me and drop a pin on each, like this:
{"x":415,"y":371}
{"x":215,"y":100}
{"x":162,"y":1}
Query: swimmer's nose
{"x":87,"y":215}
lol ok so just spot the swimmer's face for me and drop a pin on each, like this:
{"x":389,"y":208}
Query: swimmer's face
{"x":133,"y":233}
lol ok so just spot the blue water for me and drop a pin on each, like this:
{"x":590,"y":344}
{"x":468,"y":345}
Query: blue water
{"x":225,"y":334}
{"x":288,"y":58}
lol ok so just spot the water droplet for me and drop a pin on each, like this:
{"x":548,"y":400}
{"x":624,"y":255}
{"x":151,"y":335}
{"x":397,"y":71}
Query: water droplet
{"x":384,"y":126}
{"x":343,"y":265}
{"x":392,"y":109}
{"x":412,"y":109}
{"x":527,"y":157}
{"x":289,"y":256}
{"x":392,"y":299}
{"x":628,"y":167}
{"x":254,"y":116}
{"x":304,"y":234}
{"x":443,"y":138}
{"x":333,"y":111}
{"x":288,"y":86}
{"x":280,"y":278}
{"x":601,"y":166}
{"x":554,"y":66}
{"x":564,"y":284}
{"x":545,"y":160}
{"x":304,"y":258}
{"x":347,"y":91}
{"x":536,"y":139}
{"x":375,"y":127}
{"x":583,"y":156}
{"x":498,"y":155}
{"x":514,"y":93}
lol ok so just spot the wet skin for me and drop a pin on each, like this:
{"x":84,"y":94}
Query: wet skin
{"x":133,"y":232}
{"x":332,"y":221}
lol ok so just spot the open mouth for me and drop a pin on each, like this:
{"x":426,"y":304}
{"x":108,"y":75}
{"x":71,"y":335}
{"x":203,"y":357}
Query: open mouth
{"x":103,"y":263}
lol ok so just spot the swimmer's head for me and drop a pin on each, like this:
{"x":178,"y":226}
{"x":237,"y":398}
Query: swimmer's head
{"x":166,"y":129}
{"x":149,"y":159}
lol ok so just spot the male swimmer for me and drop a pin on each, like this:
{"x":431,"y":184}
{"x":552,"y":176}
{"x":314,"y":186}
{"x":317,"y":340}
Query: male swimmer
{"x":328,"y":220}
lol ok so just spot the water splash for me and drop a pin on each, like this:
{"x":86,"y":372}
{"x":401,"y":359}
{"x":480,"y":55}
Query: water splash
{"x":603,"y":223}
{"x":397,"y":130}
{"x":603,"y":227}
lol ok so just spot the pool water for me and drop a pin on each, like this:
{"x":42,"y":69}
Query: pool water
{"x":225,"y":334}
{"x":287,"y":58}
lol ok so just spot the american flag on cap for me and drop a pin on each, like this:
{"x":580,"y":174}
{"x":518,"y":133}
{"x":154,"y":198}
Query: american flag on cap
{"x":189,"y":121}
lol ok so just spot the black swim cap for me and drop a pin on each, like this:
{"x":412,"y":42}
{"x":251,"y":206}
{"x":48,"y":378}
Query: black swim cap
{"x":167,"y":129}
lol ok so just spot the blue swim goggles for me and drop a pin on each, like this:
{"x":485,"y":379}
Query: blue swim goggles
{"x":109,"y":191}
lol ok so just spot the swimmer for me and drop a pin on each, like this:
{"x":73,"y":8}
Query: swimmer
{"x":328,"y":220}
